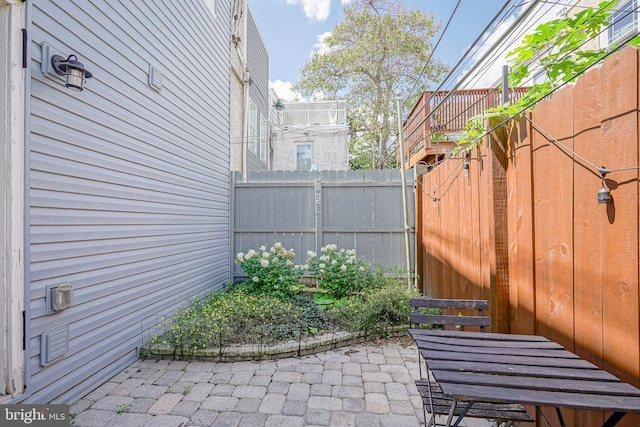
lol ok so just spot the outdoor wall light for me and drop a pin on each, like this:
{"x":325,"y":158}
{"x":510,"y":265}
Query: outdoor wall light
{"x":72,"y":70}
{"x":604,"y":195}
{"x":465,"y":163}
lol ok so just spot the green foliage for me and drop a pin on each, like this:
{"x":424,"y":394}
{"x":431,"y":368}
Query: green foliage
{"x":339,"y":272}
{"x":374,"y":53}
{"x":279,"y":105}
{"x":275,"y":307}
{"x":233,"y":317}
{"x":556,"y":46}
{"x":123,"y":408}
{"x":385,"y":306}
{"x":362,"y":153}
{"x":312,"y":315}
{"x":324,"y":300}
{"x":271,"y":272}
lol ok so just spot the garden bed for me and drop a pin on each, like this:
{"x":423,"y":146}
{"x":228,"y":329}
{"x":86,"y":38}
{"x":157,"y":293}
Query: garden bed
{"x":279,"y":312}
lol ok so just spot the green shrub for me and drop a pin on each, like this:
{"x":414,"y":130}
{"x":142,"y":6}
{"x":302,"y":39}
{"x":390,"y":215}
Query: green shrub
{"x":270,"y":307}
{"x":234,"y":317}
{"x":347,"y":313}
{"x":271,"y":272}
{"x":339,"y":272}
{"x":385,"y":306}
{"x":312,"y":317}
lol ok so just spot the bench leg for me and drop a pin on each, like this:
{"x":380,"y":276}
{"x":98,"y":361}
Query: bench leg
{"x":432,"y":421}
{"x":451,"y":411}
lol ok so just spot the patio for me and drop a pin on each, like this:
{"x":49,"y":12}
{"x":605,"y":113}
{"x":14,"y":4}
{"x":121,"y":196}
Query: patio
{"x":370,"y":385}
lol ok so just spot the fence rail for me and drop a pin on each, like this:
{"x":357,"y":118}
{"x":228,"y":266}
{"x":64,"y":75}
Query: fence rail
{"x":305,"y":211}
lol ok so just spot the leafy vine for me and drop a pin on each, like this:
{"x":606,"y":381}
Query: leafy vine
{"x":558,"y":48}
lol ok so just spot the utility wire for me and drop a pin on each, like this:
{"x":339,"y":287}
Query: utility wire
{"x":426,"y":64}
{"x":547,"y":94}
{"x":465,"y":58}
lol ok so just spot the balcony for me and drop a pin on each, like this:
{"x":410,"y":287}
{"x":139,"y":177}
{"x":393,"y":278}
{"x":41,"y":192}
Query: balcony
{"x":438,"y":119}
{"x":317,"y":113}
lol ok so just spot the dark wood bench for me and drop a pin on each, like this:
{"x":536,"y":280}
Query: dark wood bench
{"x":457,"y":313}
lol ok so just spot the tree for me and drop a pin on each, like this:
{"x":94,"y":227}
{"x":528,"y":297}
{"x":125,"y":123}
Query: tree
{"x":378,"y":51}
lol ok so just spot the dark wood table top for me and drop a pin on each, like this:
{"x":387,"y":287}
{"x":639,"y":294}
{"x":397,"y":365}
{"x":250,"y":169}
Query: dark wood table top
{"x":525,"y":369}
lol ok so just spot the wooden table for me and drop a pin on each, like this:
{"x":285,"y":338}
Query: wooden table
{"x":525,"y":369}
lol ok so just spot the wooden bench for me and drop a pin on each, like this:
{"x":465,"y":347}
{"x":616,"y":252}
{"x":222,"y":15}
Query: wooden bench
{"x":465,"y":313}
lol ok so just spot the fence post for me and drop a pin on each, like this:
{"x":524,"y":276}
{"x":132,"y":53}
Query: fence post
{"x":498,"y":230}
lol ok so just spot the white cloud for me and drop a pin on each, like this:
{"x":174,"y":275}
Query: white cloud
{"x":321,"y":47}
{"x":315,"y":10}
{"x":283,"y":89}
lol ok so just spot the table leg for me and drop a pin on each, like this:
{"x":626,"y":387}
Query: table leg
{"x":613,"y":419}
{"x":464,"y":412}
{"x":560,"y":417}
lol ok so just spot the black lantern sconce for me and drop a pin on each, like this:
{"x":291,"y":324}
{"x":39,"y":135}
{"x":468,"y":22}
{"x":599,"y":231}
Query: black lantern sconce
{"x":72,"y":70}
{"x":604,"y":195}
{"x":465,"y":163}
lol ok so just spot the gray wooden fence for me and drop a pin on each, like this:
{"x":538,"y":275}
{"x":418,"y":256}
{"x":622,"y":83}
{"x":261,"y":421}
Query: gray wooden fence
{"x":304,"y":211}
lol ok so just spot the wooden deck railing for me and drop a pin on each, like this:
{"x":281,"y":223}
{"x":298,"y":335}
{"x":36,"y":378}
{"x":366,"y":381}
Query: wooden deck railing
{"x":438,"y":116}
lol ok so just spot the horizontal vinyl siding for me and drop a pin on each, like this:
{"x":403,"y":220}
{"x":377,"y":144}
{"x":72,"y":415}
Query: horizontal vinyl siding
{"x":128,"y":187}
{"x":258,"y":63}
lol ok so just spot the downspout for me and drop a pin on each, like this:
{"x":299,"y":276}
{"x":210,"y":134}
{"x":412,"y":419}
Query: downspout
{"x":241,"y":51}
{"x":415,"y":227}
{"x":18,"y":130}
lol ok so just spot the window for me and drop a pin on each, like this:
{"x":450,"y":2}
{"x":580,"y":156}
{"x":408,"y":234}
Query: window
{"x":304,"y":156}
{"x":252,"y":137}
{"x":623,"y":20}
{"x":263,"y":138}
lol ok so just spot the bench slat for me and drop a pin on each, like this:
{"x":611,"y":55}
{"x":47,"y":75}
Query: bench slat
{"x":471,"y":304}
{"x":444,"y":319}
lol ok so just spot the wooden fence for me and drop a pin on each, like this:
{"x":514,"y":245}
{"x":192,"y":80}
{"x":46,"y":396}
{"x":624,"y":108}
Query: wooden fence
{"x":519,"y":223}
{"x":304,"y":211}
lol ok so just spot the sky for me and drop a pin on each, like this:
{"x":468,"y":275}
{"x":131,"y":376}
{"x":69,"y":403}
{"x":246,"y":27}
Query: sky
{"x":293,"y":30}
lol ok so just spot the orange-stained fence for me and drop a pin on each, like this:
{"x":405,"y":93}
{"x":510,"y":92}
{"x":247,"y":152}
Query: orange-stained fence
{"x":519,"y":223}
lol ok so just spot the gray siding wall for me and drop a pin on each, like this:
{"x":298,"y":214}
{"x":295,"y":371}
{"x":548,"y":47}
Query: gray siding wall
{"x":258,"y":63}
{"x":304,"y":211}
{"x":128,"y":187}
